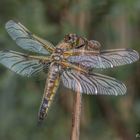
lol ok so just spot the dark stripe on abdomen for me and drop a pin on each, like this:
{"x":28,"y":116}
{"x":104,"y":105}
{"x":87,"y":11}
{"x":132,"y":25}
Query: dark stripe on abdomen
{"x":43,"y":107}
{"x":49,"y":92}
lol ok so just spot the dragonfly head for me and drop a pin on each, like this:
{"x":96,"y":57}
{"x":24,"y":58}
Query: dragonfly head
{"x":72,"y":39}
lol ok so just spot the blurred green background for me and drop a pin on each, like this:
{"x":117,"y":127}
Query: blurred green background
{"x":115,"y":24}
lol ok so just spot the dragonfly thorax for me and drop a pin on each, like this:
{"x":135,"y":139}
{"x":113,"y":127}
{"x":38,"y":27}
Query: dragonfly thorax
{"x":58,"y":51}
{"x":56,"y":58}
{"x":57,"y":55}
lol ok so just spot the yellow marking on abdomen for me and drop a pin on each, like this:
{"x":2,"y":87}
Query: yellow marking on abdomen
{"x":49,"y":92}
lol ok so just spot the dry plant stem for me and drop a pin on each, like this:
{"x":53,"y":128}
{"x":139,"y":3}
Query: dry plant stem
{"x":75,"y":132}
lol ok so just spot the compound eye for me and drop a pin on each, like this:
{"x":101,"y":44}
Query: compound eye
{"x":69,"y":38}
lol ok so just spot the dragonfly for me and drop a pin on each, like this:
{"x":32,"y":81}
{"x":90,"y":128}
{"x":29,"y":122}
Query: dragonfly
{"x":72,"y":62}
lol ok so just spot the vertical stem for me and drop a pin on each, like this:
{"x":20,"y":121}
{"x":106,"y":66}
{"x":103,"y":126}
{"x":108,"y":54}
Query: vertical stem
{"x":75,"y":132}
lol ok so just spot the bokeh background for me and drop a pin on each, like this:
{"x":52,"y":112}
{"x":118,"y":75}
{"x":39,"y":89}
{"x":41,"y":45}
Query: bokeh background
{"x":115,"y":24}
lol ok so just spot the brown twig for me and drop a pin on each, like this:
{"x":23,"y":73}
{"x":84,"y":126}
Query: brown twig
{"x":75,"y":132}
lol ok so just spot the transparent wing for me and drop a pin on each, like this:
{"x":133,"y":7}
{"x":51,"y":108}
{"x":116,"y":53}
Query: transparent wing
{"x":92,"y":84}
{"x":26,"y":40}
{"x":106,"y":59}
{"x":22,"y":64}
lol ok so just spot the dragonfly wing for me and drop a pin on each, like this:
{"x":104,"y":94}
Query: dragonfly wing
{"x":92,"y":84}
{"x":22,"y":64}
{"x":106,"y":59}
{"x":26,"y":40}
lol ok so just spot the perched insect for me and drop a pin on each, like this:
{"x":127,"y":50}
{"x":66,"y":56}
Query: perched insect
{"x":71,"y":62}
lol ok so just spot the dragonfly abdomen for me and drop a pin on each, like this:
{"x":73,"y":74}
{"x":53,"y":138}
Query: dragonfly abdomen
{"x":50,"y":90}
